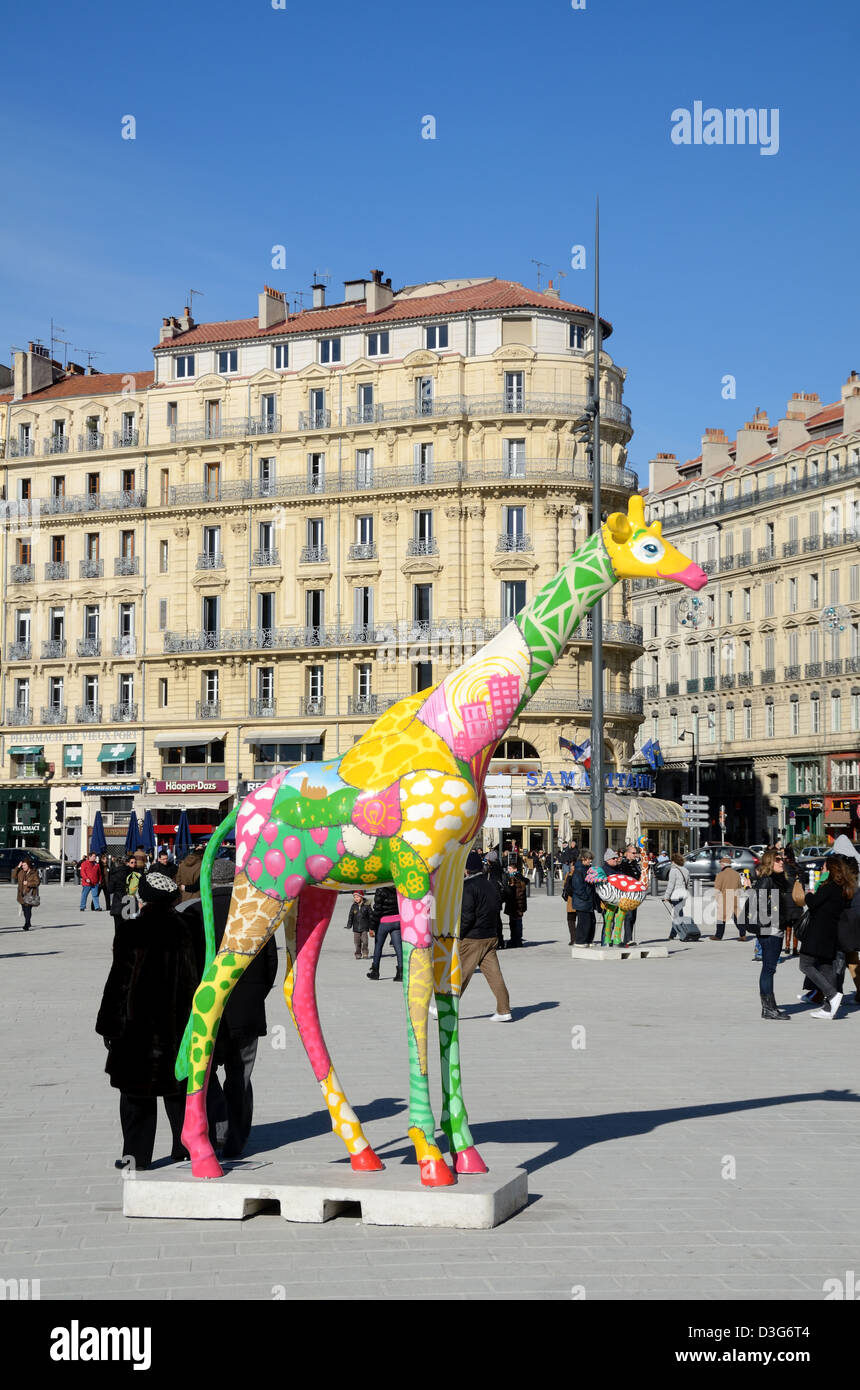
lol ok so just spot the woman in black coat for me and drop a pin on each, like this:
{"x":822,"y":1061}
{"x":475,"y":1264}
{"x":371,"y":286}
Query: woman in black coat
{"x":820,"y":943}
{"x":157,"y":964}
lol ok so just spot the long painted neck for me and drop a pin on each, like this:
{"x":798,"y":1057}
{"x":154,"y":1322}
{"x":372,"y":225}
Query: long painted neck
{"x":549,"y":621}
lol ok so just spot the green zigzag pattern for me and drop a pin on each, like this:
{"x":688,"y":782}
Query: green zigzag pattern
{"x":546,"y":623}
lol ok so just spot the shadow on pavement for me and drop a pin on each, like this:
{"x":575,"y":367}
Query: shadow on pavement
{"x":282,"y":1133}
{"x":13,"y":955}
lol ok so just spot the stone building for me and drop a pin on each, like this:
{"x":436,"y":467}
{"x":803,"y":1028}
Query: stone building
{"x":238,"y":558}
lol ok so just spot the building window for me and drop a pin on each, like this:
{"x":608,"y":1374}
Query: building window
{"x":814,"y":653}
{"x":162,"y":692}
{"x":747,"y":604}
{"x":126,"y":688}
{"x":436,"y":336}
{"x":794,"y":718}
{"x":91,"y":691}
{"x":282,"y":357}
{"x":58,"y":487}
{"x":315,"y":683}
{"x":266,"y":685}
{"x":422,"y":603}
{"x":172,"y":415}
{"x":162,"y":615}
{"x":57,"y":624}
{"x":314,"y":609}
{"x":515,"y":522}
{"x":513,"y":598}
{"x":184,"y":365}
{"x":228,"y":361}
{"x":815,"y":715}
{"x":58,"y":549}
{"x":834,"y":586}
{"x":730,"y":607}
{"x":316,"y":472}
{"x":673,"y":729}
{"x":835,"y":712}
{"x":363,"y":680}
{"x":364,"y":468}
{"x":55,"y":692}
{"x":363,"y":602}
{"x":329,"y":350}
{"x":365,"y":402}
{"x":210,"y":687}
{"x":163,"y":554}
{"x":316,"y":533}
{"x":126,"y":620}
{"x":91,"y":622}
{"x":576,"y":337}
{"x":768,"y":600}
{"x":747,"y":721}
{"x":364,"y":530}
{"x":165,"y":486}
{"x":377,"y":344}
{"x":855,"y":712}
{"x":268,"y":412}
{"x":813,"y":591}
{"x":730,"y":725}
{"x":424,"y":395}
{"x":423,"y":525}
{"x":126,"y":545}
{"x":422,"y":458}
{"x":514,"y":458}
{"x":768,"y":721}
{"x":792,"y":595}
{"x":212,"y":542}
{"x":422,"y":675}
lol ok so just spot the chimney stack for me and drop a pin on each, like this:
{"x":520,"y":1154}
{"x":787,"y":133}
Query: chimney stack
{"x":715,"y":452}
{"x":33,"y":370}
{"x":378,"y":295}
{"x":187,"y":322}
{"x":751,"y":443}
{"x":551,"y":292}
{"x":271,"y":308}
{"x":73,"y":369}
{"x":169,"y":329}
{"x":851,"y":404}
{"x":319,"y":295}
{"x":662,"y":472}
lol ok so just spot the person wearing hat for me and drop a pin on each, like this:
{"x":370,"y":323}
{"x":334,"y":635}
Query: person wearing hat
{"x":157,"y":963}
{"x":359,"y":922}
{"x":727,"y":885}
{"x":230,"y":1107}
{"x":480,"y":928}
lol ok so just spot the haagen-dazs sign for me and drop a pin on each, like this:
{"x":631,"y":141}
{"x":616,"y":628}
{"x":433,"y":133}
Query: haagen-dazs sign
{"x":182,"y":788}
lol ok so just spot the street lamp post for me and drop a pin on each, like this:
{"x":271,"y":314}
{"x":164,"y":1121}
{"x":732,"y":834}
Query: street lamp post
{"x":552,"y":807}
{"x":682,"y":736}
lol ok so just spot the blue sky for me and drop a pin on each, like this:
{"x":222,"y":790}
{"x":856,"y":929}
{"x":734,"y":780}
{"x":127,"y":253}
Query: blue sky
{"x":302,"y":127}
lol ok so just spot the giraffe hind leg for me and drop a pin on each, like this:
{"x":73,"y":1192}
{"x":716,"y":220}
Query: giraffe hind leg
{"x":417,"y":989}
{"x":252,"y":919}
{"x":304,"y":942}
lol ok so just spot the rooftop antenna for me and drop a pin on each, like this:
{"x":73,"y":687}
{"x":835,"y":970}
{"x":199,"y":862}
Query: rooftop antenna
{"x":56,"y":330}
{"x":322,"y":277}
{"x":298,"y":296}
{"x":560,"y":275}
{"x":191,"y":294}
{"x":90,"y":355}
{"x":541,"y":265}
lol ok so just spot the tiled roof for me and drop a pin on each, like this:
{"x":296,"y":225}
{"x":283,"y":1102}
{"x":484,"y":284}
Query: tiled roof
{"x":492,"y":294}
{"x":825,"y":416}
{"x":99,"y":384}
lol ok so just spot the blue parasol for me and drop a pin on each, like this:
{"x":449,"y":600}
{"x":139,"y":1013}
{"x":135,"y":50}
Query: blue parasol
{"x":147,"y":833}
{"x":132,"y":836}
{"x":98,"y":843}
{"x":182,"y":844}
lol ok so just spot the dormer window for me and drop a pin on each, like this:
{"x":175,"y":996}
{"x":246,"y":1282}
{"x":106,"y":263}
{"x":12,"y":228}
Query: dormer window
{"x":577,"y":336}
{"x":228,"y":361}
{"x":185,"y":365}
{"x":436,"y":336}
{"x":329,"y":350}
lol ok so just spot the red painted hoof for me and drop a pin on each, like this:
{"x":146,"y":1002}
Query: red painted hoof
{"x":208,"y":1167}
{"x":469,"y":1161}
{"x":436,"y":1173}
{"x":366,"y":1161}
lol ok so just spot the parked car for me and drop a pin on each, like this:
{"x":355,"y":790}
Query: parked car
{"x":705,"y":863}
{"x":757,"y":850}
{"x":48,"y":864}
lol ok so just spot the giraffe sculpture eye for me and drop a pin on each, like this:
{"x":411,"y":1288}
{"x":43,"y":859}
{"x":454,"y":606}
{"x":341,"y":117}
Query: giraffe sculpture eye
{"x":648,"y":549}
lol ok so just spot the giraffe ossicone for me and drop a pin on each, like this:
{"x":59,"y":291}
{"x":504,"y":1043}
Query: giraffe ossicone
{"x":401,"y":807}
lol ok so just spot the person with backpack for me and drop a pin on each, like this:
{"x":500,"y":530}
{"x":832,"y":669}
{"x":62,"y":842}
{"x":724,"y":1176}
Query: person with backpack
{"x":677,"y":889}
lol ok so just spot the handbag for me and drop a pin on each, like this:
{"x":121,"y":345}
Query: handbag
{"x":797,"y":895}
{"x":799,"y":927}
{"x":31,"y":898}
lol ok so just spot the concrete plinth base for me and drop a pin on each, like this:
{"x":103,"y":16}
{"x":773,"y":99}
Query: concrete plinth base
{"x":617,"y":952}
{"x":393,"y":1197}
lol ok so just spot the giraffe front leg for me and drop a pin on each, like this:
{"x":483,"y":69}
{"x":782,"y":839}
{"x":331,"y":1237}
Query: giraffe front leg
{"x":417,"y":989}
{"x":304,"y":941}
{"x":252,"y":919}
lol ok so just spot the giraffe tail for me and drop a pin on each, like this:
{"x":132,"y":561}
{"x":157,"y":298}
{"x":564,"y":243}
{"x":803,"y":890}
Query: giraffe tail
{"x":183,"y":1056}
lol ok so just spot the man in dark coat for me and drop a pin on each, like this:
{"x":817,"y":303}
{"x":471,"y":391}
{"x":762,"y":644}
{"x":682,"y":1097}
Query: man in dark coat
{"x":231,"y":1108}
{"x":515,"y":901}
{"x":164,"y":864}
{"x":480,"y":927}
{"x":385,"y":922}
{"x":581,"y":898}
{"x":157,"y":963}
{"x":631,"y":864}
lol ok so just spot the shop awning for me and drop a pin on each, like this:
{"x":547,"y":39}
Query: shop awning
{"x":653,"y":810}
{"x":115,"y":752}
{"x":26,"y":750}
{"x":285,"y":736}
{"x":73,"y":755}
{"x":195,"y":738}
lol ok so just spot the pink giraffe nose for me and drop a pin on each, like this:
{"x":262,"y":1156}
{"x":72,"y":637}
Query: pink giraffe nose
{"x":693,"y":576}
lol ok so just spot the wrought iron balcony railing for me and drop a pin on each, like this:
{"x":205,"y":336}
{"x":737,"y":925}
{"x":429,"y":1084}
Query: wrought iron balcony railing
{"x":742,"y":559}
{"x":727,"y":563}
{"x":56,"y":444}
{"x":370,"y":704}
{"x":54,"y":714}
{"x":126,"y":564}
{"x":126,"y":439}
{"x":92,"y":569}
{"x":265,"y":557}
{"x":208,"y":709}
{"x":672,"y":687}
{"x":693,"y":686}
{"x":709,"y":683}
{"x":852,"y":665}
{"x":262,"y":708}
{"x":745,"y":678}
{"x":210,"y":560}
{"x":57,"y":569}
{"x":767,"y":676}
{"x":811,"y":543}
{"x":54,"y":649}
{"x":124,"y":712}
{"x":652,"y":692}
{"x":791,"y":673}
{"x":469,"y":636}
{"x":88,"y":714}
{"x":312,"y":705}
{"x":235,"y":428}
{"x":314,"y":555}
{"x":709,"y":566}
{"x":613,"y":703}
{"x":18,"y":651}
{"x":234,"y":490}
{"x":727,"y":682}
{"x":89,"y":646}
{"x":127,"y":500}
{"x":630,"y":633}
{"x":22,"y":448}
{"x":506,"y":542}
{"x":766,"y":553}
{"x":790,"y":547}
{"x":314,"y":419}
{"x":362,"y":550}
{"x":93,"y":439}
{"x":20,"y":714}
{"x":125,"y":645}
{"x":422,"y":545}
{"x":833,"y":668}
{"x":812,"y":670}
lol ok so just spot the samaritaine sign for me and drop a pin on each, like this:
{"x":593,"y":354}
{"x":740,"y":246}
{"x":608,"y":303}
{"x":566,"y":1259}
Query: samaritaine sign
{"x":578,"y":780}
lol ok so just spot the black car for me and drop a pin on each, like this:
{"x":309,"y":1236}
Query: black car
{"x":48,"y":864}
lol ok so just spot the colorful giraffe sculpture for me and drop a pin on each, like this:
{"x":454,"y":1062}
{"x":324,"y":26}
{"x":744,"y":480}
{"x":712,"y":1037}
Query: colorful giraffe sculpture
{"x":402,"y":806}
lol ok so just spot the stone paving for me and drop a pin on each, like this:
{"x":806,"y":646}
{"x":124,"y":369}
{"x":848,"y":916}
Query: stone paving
{"x":676,"y":1144}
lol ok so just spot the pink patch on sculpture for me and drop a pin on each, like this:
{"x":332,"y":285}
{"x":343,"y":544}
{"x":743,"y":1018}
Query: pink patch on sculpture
{"x":319,"y":834}
{"x":292,"y":846}
{"x":415,"y":925}
{"x":318,"y":865}
{"x":270,"y":832}
{"x":341,"y":847}
{"x":378,"y":814}
{"x":254,"y":869}
{"x":272,"y":892}
{"x":275,"y":862}
{"x":293,"y":885}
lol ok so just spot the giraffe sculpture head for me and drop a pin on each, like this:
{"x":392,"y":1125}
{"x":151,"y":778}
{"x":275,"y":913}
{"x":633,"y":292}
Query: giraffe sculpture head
{"x":639,"y":551}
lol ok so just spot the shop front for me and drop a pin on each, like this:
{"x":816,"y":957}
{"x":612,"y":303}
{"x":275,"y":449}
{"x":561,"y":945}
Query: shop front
{"x":842,"y":805}
{"x":206,"y":803}
{"x":25,"y":818}
{"x":804,"y":809}
{"x":116,"y":801}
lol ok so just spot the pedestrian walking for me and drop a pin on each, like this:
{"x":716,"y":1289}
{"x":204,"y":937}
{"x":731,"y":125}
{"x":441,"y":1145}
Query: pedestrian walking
{"x":677,"y":888}
{"x":157,"y":963}
{"x":494,"y":868}
{"x":515,"y":900}
{"x":772,"y":904}
{"x":480,"y":927}
{"x":188,"y":873}
{"x":28,"y":879}
{"x":91,"y":879}
{"x":727,"y":887}
{"x":385,"y":922}
{"x":819,"y":945}
{"x":230,"y":1105}
{"x":358,"y":922}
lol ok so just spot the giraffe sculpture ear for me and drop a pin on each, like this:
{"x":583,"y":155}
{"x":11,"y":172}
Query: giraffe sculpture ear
{"x":636,"y":510}
{"x":619,"y":527}
{"x":656,"y":528}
